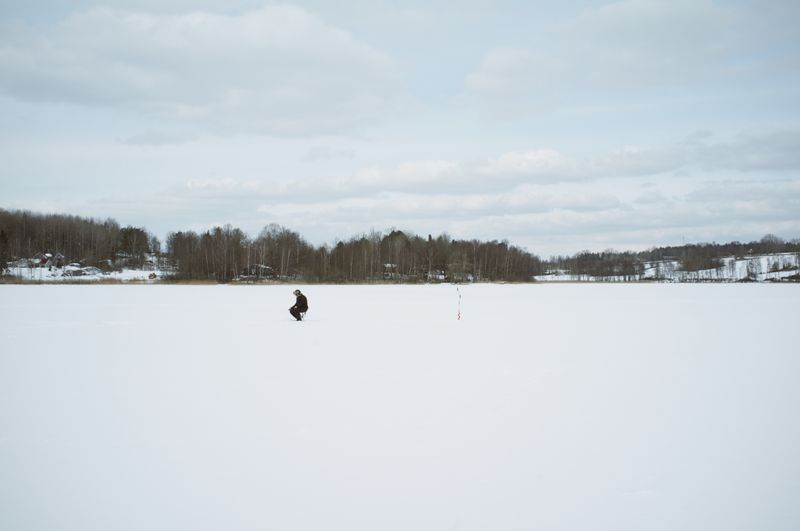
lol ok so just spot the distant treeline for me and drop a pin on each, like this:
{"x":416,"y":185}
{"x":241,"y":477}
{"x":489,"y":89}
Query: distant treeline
{"x":226,"y":253}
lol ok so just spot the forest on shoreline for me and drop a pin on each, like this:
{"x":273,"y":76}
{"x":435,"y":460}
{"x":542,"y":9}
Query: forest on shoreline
{"x":223,"y":254}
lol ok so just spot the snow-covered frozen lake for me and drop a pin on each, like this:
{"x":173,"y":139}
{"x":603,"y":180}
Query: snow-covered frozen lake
{"x":546,"y":407}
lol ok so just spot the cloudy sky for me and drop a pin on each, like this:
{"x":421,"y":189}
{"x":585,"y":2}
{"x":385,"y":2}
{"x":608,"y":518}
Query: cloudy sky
{"x":559,"y":126}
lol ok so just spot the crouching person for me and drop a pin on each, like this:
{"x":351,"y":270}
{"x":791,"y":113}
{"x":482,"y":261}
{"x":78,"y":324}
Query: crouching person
{"x":300,"y":306}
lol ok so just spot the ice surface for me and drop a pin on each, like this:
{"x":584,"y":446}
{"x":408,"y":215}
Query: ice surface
{"x":552,"y":407}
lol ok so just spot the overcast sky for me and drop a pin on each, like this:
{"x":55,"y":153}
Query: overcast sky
{"x":560,"y":126}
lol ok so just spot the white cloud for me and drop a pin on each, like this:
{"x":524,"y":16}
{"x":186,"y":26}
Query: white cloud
{"x":327,"y":153}
{"x":770,"y":151}
{"x":762,"y":151}
{"x":225,"y":185}
{"x":547,"y":218}
{"x":407,"y":175}
{"x":615,"y":51}
{"x":535,"y":162}
{"x":396,"y":206}
{"x":158,"y":138}
{"x":278,"y":70}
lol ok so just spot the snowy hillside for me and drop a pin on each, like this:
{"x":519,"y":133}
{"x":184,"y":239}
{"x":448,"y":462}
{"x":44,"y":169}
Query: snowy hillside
{"x":71,"y":274}
{"x":760,"y":268}
{"x":656,"y":407}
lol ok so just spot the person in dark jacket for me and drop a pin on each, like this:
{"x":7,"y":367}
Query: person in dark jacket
{"x":300,"y":306}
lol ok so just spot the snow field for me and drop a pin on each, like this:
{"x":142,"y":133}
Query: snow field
{"x":564,"y":407}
